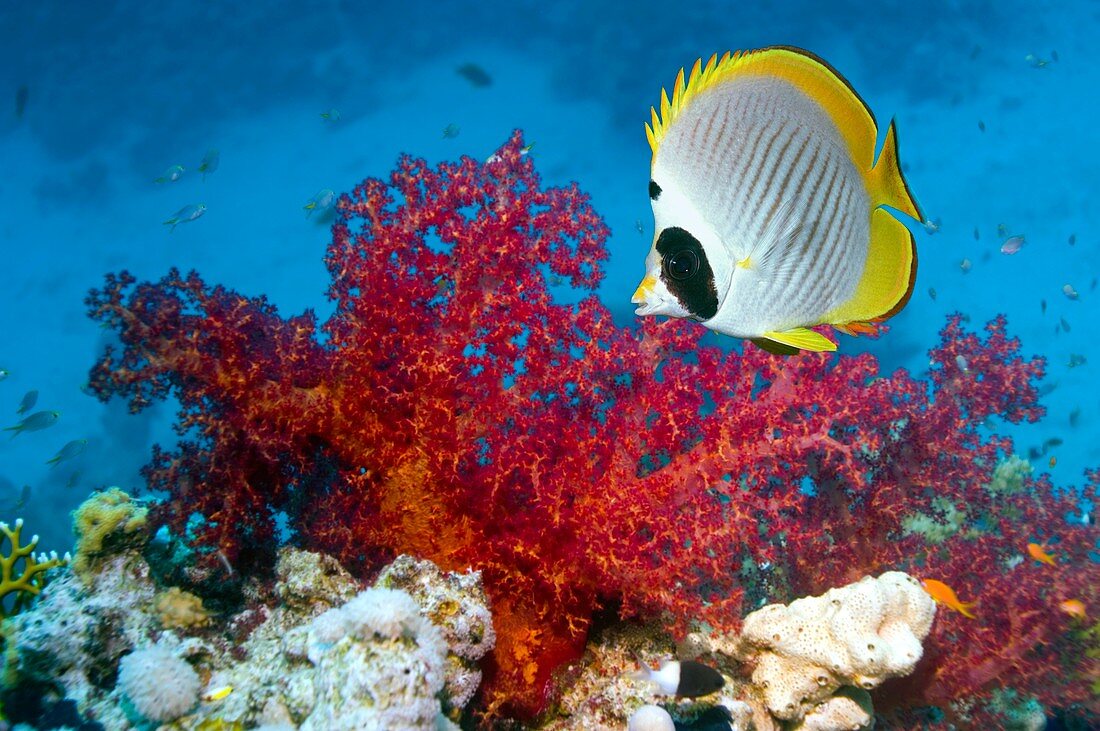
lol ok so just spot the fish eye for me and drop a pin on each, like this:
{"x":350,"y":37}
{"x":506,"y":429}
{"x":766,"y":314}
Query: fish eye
{"x":684,"y":264}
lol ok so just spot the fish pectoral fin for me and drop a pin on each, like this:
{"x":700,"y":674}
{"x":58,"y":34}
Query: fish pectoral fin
{"x":774,"y":253}
{"x":773,"y":347}
{"x":802,"y":338}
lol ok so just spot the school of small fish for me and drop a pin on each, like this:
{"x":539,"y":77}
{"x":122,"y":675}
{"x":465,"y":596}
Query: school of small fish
{"x":38,"y":421}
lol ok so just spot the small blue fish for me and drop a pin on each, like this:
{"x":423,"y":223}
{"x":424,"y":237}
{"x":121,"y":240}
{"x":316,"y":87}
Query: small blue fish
{"x":475,"y":74}
{"x":331,"y":115}
{"x":320,"y":202}
{"x":22,"y":94}
{"x":171,"y":175}
{"x":1035,"y":62}
{"x":35,"y":422}
{"x":209,"y":162}
{"x":185,"y":214}
{"x":4,"y":374}
{"x":73,"y":449}
{"x":28,"y":402}
{"x":450,"y":131}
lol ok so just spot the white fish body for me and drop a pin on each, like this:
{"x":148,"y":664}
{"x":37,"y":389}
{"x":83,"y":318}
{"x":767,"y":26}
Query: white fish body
{"x":763,"y":178}
{"x":186,"y":214}
{"x":666,"y":678}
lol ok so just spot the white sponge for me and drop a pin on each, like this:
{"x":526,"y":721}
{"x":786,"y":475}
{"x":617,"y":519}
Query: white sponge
{"x":161,"y":686}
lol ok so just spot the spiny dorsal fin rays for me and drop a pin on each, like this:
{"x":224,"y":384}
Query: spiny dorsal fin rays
{"x":699,"y":79}
{"x":802,"y":69}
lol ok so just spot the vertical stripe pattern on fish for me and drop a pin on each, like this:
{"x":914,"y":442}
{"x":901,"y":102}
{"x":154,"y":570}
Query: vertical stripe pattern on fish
{"x":767,"y":204}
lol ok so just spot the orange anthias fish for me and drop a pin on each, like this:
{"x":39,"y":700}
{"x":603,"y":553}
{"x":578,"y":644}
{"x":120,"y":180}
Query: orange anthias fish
{"x":1038,"y":553}
{"x":945,"y":595}
{"x":1074,"y":608}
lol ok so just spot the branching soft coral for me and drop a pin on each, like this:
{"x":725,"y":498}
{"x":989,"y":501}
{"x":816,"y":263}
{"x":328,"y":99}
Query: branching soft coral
{"x":452,"y":409}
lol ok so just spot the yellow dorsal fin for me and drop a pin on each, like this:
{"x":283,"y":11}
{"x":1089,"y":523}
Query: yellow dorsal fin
{"x":682,"y":92}
{"x":820,"y":82}
{"x":802,"y":69}
{"x":803,"y":339}
{"x":888,"y":276}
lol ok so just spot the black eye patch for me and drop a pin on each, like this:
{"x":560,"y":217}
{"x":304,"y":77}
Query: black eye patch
{"x":654,"y":190}
{"x":687,"y":273}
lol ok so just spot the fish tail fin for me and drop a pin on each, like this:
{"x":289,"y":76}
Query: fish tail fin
{"x":15,"y":430}
{"x":886,"y":182}
{"x":965,"y":607}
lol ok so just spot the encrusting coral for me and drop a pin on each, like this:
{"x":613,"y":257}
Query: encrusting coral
{"x":456,"y":409}
{"x":180,"y":609}
{"x":312,"y":651}
{"x":857,"y":635}
{"x":803,"y":666}
{"x":849,"y":709}
{"x":379,"y":660}
{"x":455,"y":602}
{"x":105,"y":523}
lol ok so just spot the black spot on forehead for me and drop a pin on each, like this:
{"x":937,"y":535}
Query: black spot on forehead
{"x":654,"y":190}
{"x":697,"y":293}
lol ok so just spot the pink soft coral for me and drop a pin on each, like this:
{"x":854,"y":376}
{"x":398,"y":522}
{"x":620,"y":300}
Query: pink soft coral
{"x":452,"y":409}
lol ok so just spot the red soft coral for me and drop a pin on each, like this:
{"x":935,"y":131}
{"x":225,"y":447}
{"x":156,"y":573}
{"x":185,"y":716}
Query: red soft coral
{"x":452,"y":409}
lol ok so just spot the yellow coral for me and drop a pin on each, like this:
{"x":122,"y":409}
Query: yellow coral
{"x":27,"y":579}
{"x":180,"y":609}
{"x":104,"y":523}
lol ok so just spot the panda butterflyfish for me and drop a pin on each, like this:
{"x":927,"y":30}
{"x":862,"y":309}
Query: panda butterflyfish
{"x":768,"y":204}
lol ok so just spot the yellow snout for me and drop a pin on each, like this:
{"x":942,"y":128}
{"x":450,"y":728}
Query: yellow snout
{"x":641,"y":294}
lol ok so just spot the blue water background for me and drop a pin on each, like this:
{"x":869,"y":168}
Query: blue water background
{"x":120,"y":91}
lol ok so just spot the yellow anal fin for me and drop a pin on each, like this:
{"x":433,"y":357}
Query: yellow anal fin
{"x":802,"y":338}
{"x":886,"y":183}
{"x":888,"y":276}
